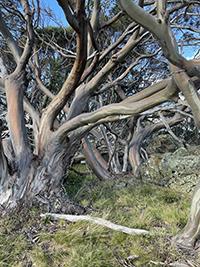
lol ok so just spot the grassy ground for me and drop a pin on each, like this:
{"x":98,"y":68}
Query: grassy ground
{"x":30,"y":241}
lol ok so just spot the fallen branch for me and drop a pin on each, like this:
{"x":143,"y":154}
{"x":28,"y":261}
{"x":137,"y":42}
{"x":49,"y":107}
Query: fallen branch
{"x":113,"y":226}
{"x":176,"y":264}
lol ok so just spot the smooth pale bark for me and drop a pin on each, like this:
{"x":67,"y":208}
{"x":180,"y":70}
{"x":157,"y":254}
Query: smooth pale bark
{"x":66,"y":5}
{"x":116,"y":110}
{"x":160,"y":29}
{"x":157,"y":27}
{"x":82,"y":124}
{"x":112,"y":164}
{"x":188,"y":89}
{"x":92,"y":158}
{"x":20,"y":60}
{"x":161,"y":8}
{"x":188,"y":236}
{"x":94,"y":24}
{"x":83,"y":95}
{"x":96,"y":152}
{"x":103,"y":222}
{"x":71,"y":82}
{"x":15,"y":84}
{"x":138,"y":137}
{"x":14,"y":94}
{"x":148,"y":94}
{"x":10,"y":40}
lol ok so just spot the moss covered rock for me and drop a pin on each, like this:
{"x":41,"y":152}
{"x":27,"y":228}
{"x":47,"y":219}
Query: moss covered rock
{"x":162,"y":144}
{"x":178,"y":169}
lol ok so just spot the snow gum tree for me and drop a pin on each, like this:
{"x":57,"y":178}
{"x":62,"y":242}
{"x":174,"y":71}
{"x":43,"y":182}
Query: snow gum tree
{"x":90,"y":86}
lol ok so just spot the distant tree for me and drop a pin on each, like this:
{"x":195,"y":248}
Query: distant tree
{"x":99,"y":86}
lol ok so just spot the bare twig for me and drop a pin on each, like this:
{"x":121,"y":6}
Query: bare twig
{"x":168,"y":127}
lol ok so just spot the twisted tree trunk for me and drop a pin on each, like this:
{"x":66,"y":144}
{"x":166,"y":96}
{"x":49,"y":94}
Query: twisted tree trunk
{"x":40,"y":180}
{"x":187,"y":237}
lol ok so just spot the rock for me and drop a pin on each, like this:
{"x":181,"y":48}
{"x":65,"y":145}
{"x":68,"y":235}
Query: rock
{"x":126,"y":183}
{"x":194,"y":150}
{"x":121,"y":185}
{"x":178,"y":168}
{"x":182,"y":152}
{"x":149,"y":171}
{"x":162,"y":144}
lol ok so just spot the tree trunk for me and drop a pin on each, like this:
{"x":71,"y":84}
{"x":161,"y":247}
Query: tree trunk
{"x":43,"y":181}
{"x":140,"y":134}
{"x":95,"y":161}
{"x":4,"y":175}
{"x":187,"y":237}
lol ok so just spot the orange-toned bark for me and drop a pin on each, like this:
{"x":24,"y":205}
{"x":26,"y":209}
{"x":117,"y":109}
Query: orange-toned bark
{"x":97,"y":166}
{"x":14,"y":91}
{"x":71,"y":82}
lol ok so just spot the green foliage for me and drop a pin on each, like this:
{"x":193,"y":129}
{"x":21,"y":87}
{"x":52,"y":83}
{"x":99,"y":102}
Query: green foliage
{"x":60,"y":34}
{"x":75,"y":181}
{"x":55,"y":76}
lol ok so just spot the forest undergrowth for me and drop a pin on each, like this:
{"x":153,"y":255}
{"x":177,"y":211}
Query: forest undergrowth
{"x":27,"y":240}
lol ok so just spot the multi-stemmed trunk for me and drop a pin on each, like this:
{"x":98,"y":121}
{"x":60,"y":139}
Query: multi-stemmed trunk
{"x":40,"y":179}
{"x":27,"y":174}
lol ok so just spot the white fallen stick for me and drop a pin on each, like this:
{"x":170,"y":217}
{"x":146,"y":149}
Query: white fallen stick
{"x":175,"y":264}
{"x":113,"y":226}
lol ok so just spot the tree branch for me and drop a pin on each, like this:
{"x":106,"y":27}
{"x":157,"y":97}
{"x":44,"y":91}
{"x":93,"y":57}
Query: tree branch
{"x":111,"y":21}
{"x":108,"y":224}
{"x":28,"y":15}
{"x":87,"y":121}
{"x":68,"y":14}
{"x":162,"y":32}
{"x":16,"y":52}
{"x":89,"y":88}
{"x":71,"y":82}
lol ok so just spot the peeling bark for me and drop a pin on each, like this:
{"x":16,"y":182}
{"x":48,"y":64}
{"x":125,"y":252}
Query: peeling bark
{"x":4,"y":175}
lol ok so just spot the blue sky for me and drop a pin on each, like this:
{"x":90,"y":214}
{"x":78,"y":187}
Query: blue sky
{"x":54,"y":6}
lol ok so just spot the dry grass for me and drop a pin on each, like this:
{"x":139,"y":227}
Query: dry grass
{"x":148,"y":207}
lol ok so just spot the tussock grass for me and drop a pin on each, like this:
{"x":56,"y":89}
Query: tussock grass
{"x":12,"y":247}
{"x":162,"y":211}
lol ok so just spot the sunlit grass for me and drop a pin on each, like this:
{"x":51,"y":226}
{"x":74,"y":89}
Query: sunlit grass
{"x":161,"y":211}
{"x":12,"y":248}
